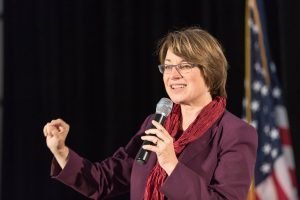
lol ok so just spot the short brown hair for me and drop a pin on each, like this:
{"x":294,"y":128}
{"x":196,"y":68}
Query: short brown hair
{"x":198,"y":46}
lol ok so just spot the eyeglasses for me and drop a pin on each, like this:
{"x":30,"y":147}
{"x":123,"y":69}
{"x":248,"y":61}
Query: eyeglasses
{"x":182,"y":68}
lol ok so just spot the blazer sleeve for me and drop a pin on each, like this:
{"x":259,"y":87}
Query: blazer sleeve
{"x":100,"y":180}
{"x":235,"y":161}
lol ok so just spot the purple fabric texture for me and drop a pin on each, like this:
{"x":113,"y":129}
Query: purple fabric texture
{"x":218,"y":165}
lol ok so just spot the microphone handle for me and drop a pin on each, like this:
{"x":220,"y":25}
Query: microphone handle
{"x":143,"y":155}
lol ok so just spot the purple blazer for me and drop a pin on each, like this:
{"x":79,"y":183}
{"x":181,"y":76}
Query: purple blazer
{"x":218,"y":165}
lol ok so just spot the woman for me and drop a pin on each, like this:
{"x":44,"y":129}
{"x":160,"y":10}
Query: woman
{"x":201,"y":152}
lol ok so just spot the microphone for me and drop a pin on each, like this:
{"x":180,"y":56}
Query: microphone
{"x":163,"y":109}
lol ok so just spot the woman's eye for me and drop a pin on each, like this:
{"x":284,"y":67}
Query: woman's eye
{"x":184,"y":66}
{"x":168,"y":67}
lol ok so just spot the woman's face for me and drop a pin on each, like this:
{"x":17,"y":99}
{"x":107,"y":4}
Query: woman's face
{"x":185,"y":88}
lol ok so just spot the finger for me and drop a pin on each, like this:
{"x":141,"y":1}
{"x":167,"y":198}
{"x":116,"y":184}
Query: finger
{"x":60,"y":125}
{"x":161,"y":128}
{"x":57,"y":122}
{"x":45,"y":130}
{"x":61,"y":129}
{"x":64,"y":127}
{"x":54,"y":132}
{"x":156,"y":133}
{"x":158,"y":125}
{"x":149,"y":138}
{"x":159,"y":133}
{"x":49,"y":130}
{"x":151,"y":148}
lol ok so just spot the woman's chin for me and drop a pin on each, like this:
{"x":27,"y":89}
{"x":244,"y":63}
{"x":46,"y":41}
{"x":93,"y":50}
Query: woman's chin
{"x":176,"y":100}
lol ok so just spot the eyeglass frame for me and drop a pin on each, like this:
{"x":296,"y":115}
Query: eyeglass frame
{"x":162,"y":67}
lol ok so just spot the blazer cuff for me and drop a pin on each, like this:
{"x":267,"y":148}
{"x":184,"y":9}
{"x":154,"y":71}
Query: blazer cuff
{"x":73,"y":166}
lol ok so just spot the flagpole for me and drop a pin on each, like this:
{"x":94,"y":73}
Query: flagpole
{"x":247,"y":63}
{"x":251,"y":192}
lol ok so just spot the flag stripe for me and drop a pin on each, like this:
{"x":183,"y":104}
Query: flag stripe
{"x":266,"y":190}
{"x":284,"y":185}
{"x":285,"y":136}
{"x":279,"y":191}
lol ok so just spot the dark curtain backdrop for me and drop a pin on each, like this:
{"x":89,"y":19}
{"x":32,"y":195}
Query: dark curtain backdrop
{"x":93,"y":63}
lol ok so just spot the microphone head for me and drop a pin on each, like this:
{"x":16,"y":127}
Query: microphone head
{"x":164,"y":106}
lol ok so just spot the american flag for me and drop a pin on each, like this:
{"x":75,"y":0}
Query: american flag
{"x":264,"y":109}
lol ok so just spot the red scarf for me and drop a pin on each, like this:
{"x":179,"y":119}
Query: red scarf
{"x":206,"y":118}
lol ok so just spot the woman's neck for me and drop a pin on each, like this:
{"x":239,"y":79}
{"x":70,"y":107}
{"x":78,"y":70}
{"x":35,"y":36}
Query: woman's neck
{"x":190,"y":112}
